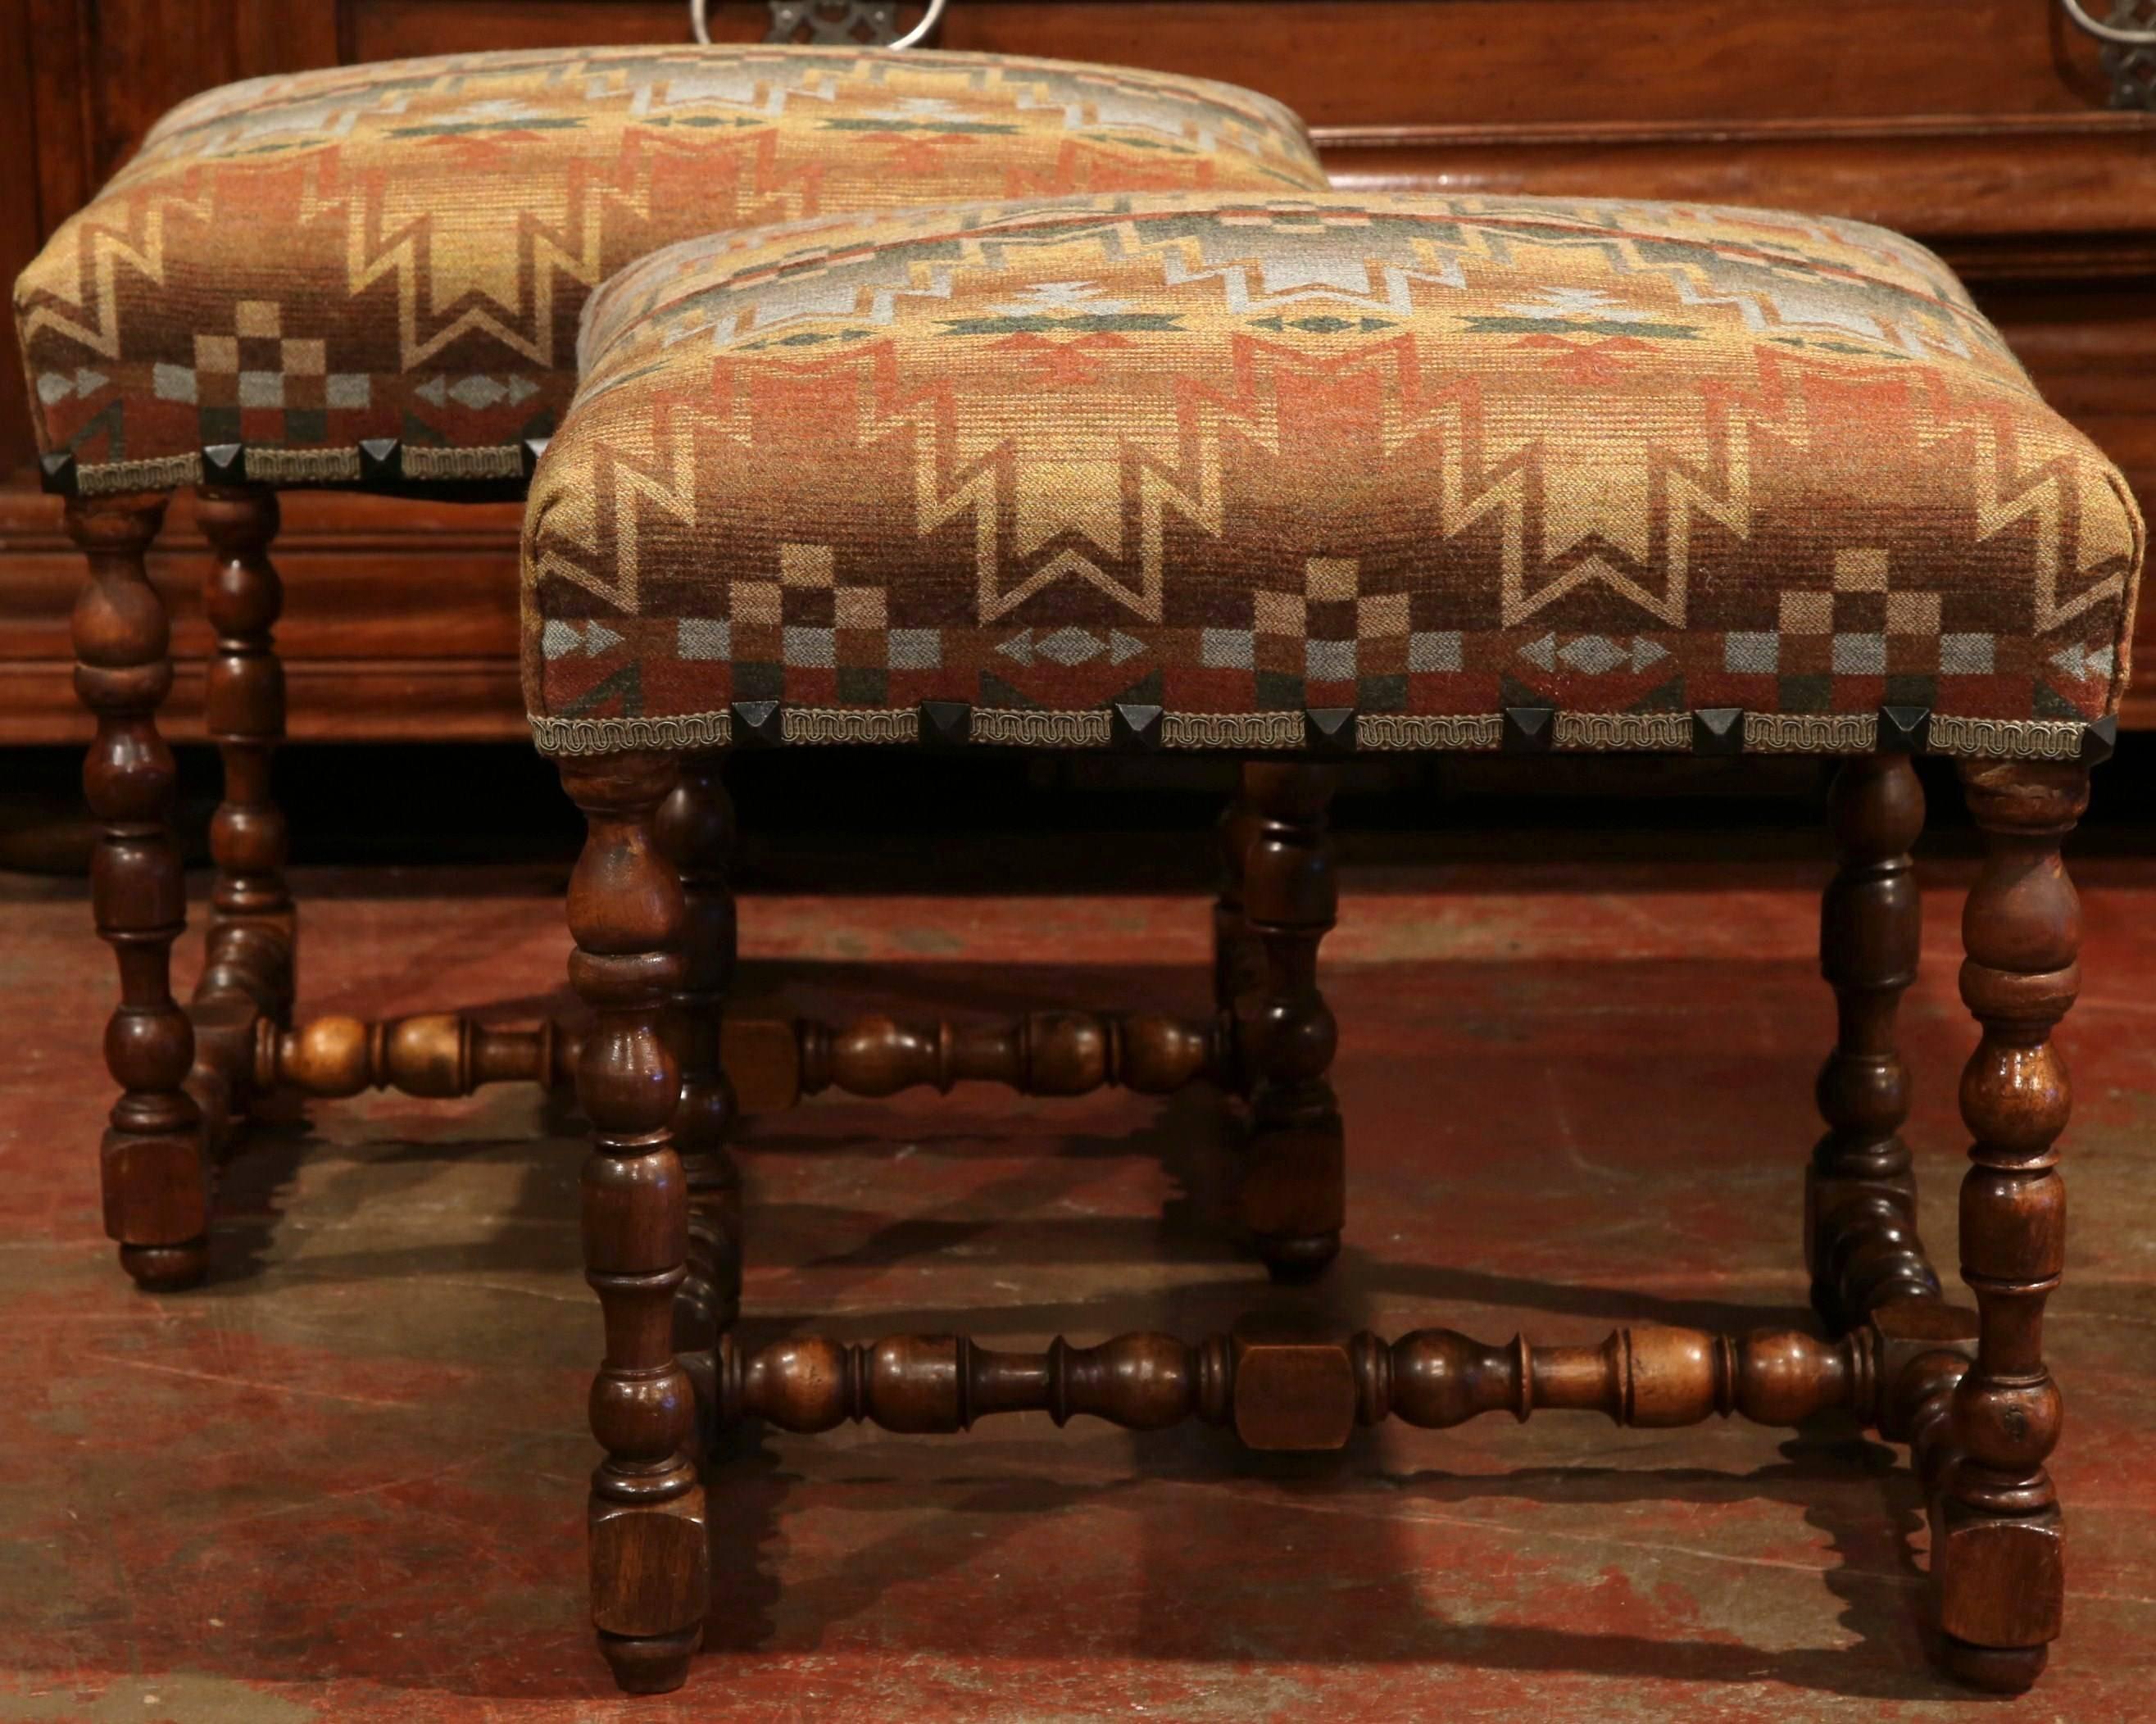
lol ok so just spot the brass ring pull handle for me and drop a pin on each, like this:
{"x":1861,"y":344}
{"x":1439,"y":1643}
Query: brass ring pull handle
{"x":785,"y":15}
{"x":2119,"y":35}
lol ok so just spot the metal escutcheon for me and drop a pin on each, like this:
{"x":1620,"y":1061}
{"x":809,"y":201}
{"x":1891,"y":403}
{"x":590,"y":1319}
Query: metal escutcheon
{"x":858,"y":23}
{"x":2128,"y":36}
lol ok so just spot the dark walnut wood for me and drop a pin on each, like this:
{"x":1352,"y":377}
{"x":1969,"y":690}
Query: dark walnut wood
{"x":253,"y":925}
{"x":766,"y":1063}
{"x":1860,"y":1240}
{"x":1291,"y":1181}
{"x":1239,"y":961}
{"x":696,"y":832}
{"x":1051,"y":1053}
{"x":1996,"y":1557}
{"x":649,"y":1562}
{"x":1291,"y":1393}
{"x":435,"y":1053}
{"x":250,"y":961}
{"x":154,"y":1161}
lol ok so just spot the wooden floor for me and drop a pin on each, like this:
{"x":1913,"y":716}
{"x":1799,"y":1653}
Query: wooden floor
{"x":346,"y":1481}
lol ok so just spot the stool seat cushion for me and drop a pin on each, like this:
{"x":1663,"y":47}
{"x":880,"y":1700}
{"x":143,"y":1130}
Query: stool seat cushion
{"x":1444,"y":472}
{"x":396,"y":254}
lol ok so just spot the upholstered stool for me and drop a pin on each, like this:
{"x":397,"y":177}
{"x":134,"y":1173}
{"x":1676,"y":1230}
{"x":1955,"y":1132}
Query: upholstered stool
{"x":419,"y":239}
{"x":1299,"y":478}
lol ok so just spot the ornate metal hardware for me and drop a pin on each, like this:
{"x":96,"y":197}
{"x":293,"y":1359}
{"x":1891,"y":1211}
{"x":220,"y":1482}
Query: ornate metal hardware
{"x":860,"y":24}
{"x":2128,"y":36}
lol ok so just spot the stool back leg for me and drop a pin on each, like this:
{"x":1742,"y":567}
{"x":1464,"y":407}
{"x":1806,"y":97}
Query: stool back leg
{"x":253,"y":925}
{"x":1860,"y":1240}
{"x":696,"y":833}
{"x":1292,"y":1185}
{"x":1996,"y":1555}
{"x":649,"y":1562}
{"x":1239,"y":964}
{"x":156,"y":1174}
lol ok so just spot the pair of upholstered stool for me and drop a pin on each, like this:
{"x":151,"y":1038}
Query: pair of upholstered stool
{"x":1240,"y":466}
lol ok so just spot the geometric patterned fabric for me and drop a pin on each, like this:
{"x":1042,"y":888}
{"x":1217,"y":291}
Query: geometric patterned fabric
{"x":1208,"y":463}
{"x":305,"y":263}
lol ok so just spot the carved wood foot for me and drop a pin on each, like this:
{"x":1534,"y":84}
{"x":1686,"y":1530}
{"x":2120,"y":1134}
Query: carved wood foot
{"x":651,"y":1664}
{"x":166,"y":1269}
{"x":1923,"y":1418}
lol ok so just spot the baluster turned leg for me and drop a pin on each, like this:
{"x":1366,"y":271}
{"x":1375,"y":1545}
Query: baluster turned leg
{"x":1293,"y":1178}
{"x":156,"y":1176}
{"x":1860,"y":1239}
{"x":253,"y":925}
{"x":1996,"y":1558}
{"x":649,"y":1565}
{"x":696,"y":830}
{"x":1239,"y":965}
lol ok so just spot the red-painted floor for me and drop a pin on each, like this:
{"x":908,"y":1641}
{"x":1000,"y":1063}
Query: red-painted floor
{"x":346,"y":1481}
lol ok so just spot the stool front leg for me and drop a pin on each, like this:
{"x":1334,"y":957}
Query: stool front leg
{"x":252,"y":926}
{"x":1293,"y":1183}
{"x":696,"y":832}
{"x":649,"y":1562}
{"x":156,"y":1174}
{"x":1996,"y":1551}
{"x":1861,"y":1240}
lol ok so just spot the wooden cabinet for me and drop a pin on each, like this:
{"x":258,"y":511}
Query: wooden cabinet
{"x":1981,"y":126}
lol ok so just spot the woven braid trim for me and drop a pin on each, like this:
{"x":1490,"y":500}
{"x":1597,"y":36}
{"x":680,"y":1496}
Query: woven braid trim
{"x":1611,"y":732}
{"x":1231,"y":729}
{"x":1019,"y":727}
{"x":626,"y":736}
{"x":449,"y":463}
{"x":303,"y":466}
{"x":846,"y":724}
{"x":1469,"y":733}
{"x":416,"y":463}
{"x":166,"y":473}
{"x":1810,"y":732}
{"x":2006,"y":738}
{"x":1229,"y":732}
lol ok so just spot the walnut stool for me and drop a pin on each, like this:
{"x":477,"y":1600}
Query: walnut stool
{"x":1294,"y":478}
{"x":422,"y":236}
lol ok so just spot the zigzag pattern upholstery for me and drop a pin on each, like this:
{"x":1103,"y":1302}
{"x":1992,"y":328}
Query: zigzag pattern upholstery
{"x":373,"y":274}
{"x":1218,"y":470}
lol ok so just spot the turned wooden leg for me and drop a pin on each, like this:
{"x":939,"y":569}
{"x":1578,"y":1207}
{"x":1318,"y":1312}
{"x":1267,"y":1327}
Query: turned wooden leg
{"x":1239,"y":964}
{"x":1860,"y":1240}
{"x":649,"y":1565}
{"x":253,"y":925}
{"x":1293,"y":1178}
{"x":1996,"y":1557}
{"x":155,"y":1175}
{"x":695,"y":831}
